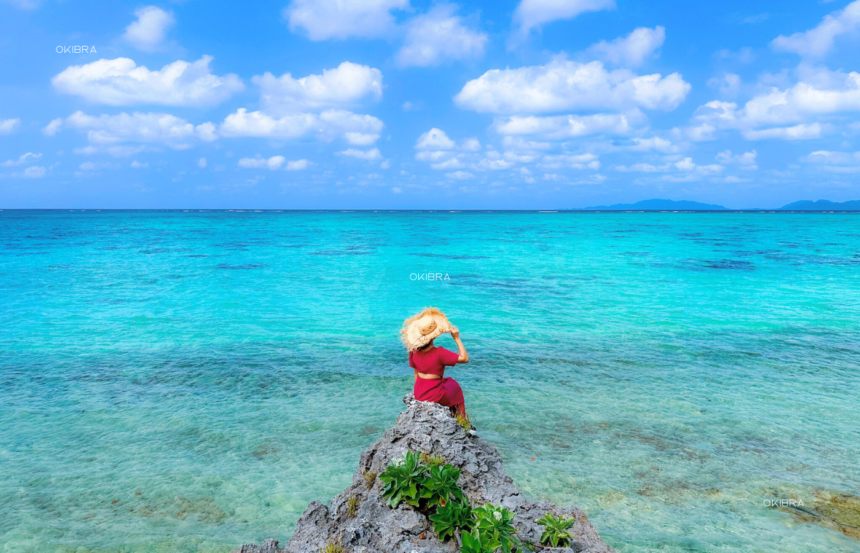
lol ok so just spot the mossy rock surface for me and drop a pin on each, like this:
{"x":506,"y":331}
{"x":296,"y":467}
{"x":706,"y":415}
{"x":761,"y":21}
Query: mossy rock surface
{"x":839,"y":511}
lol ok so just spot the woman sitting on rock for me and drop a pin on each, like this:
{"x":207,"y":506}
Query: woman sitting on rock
{"x":429,"y":361}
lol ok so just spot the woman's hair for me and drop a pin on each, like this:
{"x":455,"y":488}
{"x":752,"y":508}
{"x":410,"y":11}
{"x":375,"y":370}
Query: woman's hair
{"x":425,"y":346}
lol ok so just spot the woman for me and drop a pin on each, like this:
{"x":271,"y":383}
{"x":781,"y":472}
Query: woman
{"x":429,"y":361}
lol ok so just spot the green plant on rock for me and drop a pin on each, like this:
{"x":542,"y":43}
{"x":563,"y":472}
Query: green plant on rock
{"x":369,"y":478}
{"x":555,"y":529}
{"x":439,"y":485}
{"x":402,"y":479}
{"x":495,"y":522}
{"x":333,"y":546}
{"x":479,"y":542}
{"x":432,"y":460}
{"x":464,"y":421}
{"x":452,"y":517}
{"x":352,"y":506}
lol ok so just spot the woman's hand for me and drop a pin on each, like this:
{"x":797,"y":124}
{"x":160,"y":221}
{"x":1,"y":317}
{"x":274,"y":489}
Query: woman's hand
{"x":455,"y":333}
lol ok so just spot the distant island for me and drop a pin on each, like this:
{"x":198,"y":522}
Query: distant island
{"x":822,"y":205}
{"x":660,"y":205}
{"x":686,"y":205}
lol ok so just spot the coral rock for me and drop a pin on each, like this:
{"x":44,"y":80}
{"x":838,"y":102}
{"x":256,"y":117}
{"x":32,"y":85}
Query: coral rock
{"x":377,"y":528}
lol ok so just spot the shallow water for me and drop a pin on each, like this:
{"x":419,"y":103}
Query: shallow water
{"x":189,"y":381}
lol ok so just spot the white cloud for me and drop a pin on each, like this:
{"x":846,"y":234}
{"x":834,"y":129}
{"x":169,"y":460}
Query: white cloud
{"x":569,"y":85}
{"x":115,"y":151}
{"x":8,"y":126}
{"x":434,"y":139}
{"x":746,"y":160}
{"x":150,"y":29}
{"x":728,"y":84}
{"x":567,"y":126}
{"x":534,"y":13}
{"x":794,"y":113}
{"x":272,"y":163}
{"x":460,"y":175}
{"x":832,"y":158}
{"x":326,"y":125}
{"x":297,"y":165}
{"x":572,"y":161}
{"x":797,"y":132}
{"x":343,"y":86}
{"x":53,"y":127}
{"x":120,"y":82}
{"x":339,"y":19}
{"x":655,"y":143}
{"x":34,"y":172}
{"x":202,"y":163}
{"x":25,"y":4}
{"x":820,"y":40}
{"x":679,"y":171}
{"x":438,"y":36}
{"x":631,"y":50}
{"x":138,"y":165}
{"x":138,"y":127}
{"x":367,"y":155}
{"x":29,"y":157}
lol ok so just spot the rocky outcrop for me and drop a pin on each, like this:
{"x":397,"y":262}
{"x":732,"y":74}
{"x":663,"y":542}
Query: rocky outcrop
{"x":361,"y":522}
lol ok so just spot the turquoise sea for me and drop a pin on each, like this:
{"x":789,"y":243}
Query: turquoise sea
{"x":189,"y":381}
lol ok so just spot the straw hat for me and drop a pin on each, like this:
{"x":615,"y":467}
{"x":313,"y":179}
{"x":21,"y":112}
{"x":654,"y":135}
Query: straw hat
{"x":419,"y":329}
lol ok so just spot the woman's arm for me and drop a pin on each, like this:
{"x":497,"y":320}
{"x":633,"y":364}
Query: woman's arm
{"x":464,"y":355}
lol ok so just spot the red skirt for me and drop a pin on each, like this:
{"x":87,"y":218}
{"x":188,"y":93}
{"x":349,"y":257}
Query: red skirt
{"x":444,"y":391}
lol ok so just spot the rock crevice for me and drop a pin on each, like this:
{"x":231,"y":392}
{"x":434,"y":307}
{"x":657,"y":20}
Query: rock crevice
{"x":361,"y":521}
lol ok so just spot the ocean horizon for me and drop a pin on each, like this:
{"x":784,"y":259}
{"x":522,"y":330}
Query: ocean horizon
{"x":188,"y":380}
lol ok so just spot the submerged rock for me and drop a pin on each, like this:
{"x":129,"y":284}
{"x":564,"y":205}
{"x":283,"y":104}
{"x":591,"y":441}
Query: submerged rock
{"x":359,"y":519}
{"x":838,"y":511}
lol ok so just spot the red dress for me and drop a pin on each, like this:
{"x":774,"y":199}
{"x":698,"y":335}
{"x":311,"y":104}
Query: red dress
{"x":444,"y":391}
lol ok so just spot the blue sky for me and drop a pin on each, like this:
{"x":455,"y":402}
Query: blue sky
{"x":409,"y":104}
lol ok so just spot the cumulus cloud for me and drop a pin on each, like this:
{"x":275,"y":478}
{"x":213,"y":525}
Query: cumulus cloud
{"x":29,"y":157}
{"x":728,"y":84}
{"x":445,"y":154}
{"x":53,"y":127}
{"x":34,"y":172}
{"x":791,"y":113}
{"x":355,"y":129}
{"x":150,"y":29}
{"x":460,"y":175}
{"x":8,"y":126}
{"x":746,"y":160}
{"x":832,"y":158}
{"x":572,"y":161}
{"x":434,"y":139}
{"x":340,"y":19}
{"x":139,"y":127}
{"x":569,"y":85}
{"x":530,"y":14}
{"x":679,"y":171}
{"x":438,"y":36}
{"x":272,"y":163}
{"x":568,"y":126}
{"x":654,"y":143}
{"x":631,"y":50}
{"x":820,"y":40}
{"x":366,"y":155}
{"x":343,"y":86}
{"x":297,"y":165}
{"x":121,"y":82}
